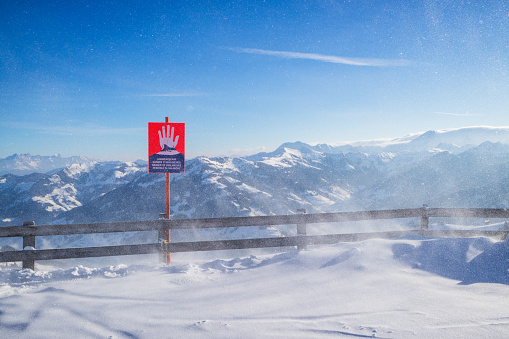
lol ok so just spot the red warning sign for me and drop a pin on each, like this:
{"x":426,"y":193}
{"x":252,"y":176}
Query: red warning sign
{"x":166,"y":147}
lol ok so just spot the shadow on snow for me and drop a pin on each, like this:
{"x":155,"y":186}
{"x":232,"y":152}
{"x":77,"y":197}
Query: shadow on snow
{"x":470,"y":260}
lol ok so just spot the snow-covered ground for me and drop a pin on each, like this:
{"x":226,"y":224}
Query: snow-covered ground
{"x":407,"y":288}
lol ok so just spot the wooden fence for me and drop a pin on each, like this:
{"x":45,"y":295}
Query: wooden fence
{"x":29,"y":231}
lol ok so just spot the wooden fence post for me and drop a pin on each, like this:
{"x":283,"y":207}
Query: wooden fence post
{"x":162,"y":236}
{"x":424,"y":218}
{"x":301,"y":229}
{"x":29,"y":240}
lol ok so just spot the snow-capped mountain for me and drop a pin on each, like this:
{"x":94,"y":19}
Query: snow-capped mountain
{"x":457,"y":168}
{"x":45,"y":196}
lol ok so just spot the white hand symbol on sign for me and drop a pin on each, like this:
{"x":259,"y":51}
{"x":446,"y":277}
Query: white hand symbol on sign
{"x":167,"y":139}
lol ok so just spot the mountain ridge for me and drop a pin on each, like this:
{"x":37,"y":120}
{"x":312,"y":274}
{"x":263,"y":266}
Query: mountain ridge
{"x":295,"y":175}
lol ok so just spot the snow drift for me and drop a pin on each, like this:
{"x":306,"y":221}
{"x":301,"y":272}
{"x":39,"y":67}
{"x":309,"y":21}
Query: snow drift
{"x":422,"y":288}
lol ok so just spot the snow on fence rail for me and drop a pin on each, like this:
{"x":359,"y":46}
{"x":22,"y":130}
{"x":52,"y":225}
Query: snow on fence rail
{"x":29,"y":231}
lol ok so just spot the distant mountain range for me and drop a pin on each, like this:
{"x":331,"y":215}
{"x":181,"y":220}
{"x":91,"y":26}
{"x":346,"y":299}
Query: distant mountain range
{"x":466,"y":167}
{"x":21,"y":164}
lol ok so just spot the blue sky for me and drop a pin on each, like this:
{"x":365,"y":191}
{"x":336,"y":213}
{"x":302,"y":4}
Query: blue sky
{"x":85,"y":77}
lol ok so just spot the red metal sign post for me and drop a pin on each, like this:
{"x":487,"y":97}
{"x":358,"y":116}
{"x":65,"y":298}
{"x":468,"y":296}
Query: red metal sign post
{"x":168,"y":235}
{"x":166,"y":154}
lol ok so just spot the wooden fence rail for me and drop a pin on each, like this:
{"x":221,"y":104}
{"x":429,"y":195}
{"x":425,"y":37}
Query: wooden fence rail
{"x":29,"y":231}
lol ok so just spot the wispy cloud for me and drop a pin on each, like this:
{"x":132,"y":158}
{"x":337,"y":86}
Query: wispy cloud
{"x":467,"y":114}
{"x":174,"y":94}
{"x":74,"y":130}
{"x":373,"y":62}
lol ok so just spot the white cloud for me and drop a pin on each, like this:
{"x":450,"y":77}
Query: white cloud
{"x":457,"y":114}
{"x":239,"y":152}
{"x":373,"y":62}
